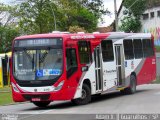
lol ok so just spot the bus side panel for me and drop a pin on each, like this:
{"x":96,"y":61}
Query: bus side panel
{"x":148,"y":71}
{"x":89,"y":75}
{"x":133,"y":66}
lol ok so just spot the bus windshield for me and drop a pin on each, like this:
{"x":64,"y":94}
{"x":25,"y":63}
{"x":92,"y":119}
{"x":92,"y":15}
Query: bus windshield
{"x":37,"y":64}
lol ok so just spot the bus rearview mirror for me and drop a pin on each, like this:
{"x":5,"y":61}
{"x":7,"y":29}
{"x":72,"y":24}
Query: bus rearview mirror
{"x":84,"y":68}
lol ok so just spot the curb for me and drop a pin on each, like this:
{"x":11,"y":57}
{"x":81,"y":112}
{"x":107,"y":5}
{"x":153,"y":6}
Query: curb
{"x":15,"y":103}
{"x":5,"y":91}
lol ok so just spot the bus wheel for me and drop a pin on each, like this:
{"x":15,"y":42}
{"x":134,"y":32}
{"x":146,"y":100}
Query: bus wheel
{"x":42,"y":104}
{"x":132,"y":88}
{"x":86,"y":96}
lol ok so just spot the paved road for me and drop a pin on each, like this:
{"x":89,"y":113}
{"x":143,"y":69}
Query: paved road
{"x":146,"y":100}
{"x":158,"y":64}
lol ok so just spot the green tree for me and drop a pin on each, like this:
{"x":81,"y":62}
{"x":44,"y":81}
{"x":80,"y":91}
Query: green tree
{"x":8,"y":30}
{"x":73,"y":14}
{"x":86,"y":20}
{"x":135,"y":8}
{"x":95,"y":6}
{"x":37,"y":16}
{"x":7,"y":34}
{"x":75,"y":29}
{"x":131,"y":23}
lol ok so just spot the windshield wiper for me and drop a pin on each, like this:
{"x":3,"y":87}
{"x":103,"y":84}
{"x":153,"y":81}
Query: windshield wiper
{"x":28,"y":54}
{"x":44,"y":55}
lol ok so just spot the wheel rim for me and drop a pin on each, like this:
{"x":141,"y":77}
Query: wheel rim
{"x":84,"y":94}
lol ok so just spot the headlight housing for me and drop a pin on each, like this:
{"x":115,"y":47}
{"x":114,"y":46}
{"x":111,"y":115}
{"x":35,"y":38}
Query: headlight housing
{"x":14,"y":87}
{"x":59,"y":87}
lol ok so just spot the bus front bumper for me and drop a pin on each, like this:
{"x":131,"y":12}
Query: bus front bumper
{"x":64,"y":94}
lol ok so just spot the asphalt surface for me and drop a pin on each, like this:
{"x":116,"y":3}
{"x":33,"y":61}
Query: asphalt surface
{"x":145,"y":100}
{"x":158,"y":64}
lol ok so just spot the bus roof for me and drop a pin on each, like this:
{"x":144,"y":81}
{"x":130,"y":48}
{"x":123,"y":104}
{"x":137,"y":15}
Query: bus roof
{"x":75,"y":36}
{"x":121,"y":35}
{"x":47,"y":35}
{"x":72,"y":36}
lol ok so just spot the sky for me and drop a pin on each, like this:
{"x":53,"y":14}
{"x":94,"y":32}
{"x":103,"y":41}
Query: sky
{"x":109,"y":4}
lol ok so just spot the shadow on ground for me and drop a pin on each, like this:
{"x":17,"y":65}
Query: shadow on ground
{"x":95,"y":99}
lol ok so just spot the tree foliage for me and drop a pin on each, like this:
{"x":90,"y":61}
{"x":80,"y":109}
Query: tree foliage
{"x":95,"y":6}
{"x":131,"y":23}
{"x":135,"y":8}
{"x":7,"y":34}
{"x":8,"y":30}
{"x":73,"y":14}
{"x":37,"y":16}
{"x":75,"y":29}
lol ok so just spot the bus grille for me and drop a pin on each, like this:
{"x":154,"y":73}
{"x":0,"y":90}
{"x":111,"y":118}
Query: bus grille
{"x":42,"y":97}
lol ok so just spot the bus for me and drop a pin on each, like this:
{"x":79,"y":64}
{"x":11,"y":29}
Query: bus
{"x":64,"y":66}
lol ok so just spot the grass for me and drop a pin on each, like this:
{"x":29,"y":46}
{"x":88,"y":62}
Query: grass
{"x":5,"y":89}
{"x":5,"y":96}
{"x":157,"y":48}
{"x":157,"y":80}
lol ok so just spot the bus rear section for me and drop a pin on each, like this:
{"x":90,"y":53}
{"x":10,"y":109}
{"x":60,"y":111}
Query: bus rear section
{"x":74,"y":67}
{"x":142,"y":60}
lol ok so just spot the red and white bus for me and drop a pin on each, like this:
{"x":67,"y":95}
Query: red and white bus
{"x":61,"y":66}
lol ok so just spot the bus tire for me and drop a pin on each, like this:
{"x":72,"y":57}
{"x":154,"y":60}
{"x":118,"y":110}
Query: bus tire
{"x":132,"y":88}
{"x":42,"y":104}
{"x":86,"y":96}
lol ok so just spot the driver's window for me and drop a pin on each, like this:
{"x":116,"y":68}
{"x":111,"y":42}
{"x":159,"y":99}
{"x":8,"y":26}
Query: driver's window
{"x":71,"y":61}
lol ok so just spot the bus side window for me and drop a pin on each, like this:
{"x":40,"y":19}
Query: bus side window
{"x":148,"y":48}
{"x":71,"y":61}
{"x":84,"y":52}
{"x":138,"y":52}
{"x":128,"y":49}
{"x":107,"y":50}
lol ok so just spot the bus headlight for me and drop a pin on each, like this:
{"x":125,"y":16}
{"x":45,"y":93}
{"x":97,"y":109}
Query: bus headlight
{"x":59,"y":86}
{"x":14,"y":87}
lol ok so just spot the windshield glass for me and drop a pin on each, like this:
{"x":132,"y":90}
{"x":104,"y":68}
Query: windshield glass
{"x":37,"y":64}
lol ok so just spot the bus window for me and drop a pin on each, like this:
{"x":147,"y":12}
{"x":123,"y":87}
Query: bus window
{"x":71,"y":61}
{"x":148,"y":48}
{"x":128,"y":49}
{"x":84,"y":52}
{"x":138,"y":52}
{"x":107,"y":50}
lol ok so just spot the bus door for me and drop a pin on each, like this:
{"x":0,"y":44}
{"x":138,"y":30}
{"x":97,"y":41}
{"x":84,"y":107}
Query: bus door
{"x":98,"y":68}
{"x":120,"y":65}
{"x":108,"y":65}
{"x":5,"y":71}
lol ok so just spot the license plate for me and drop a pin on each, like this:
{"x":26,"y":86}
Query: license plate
{"x":36,"y":99}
